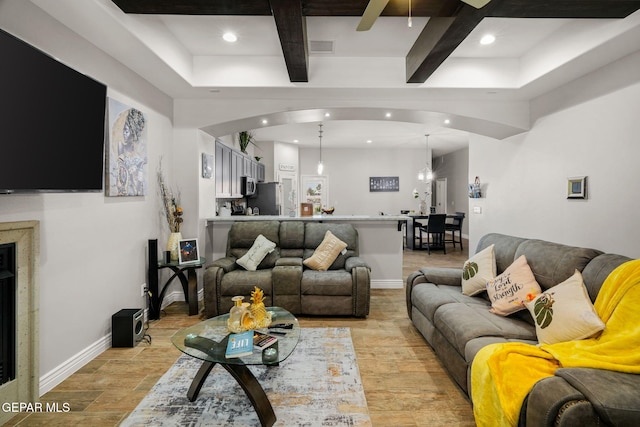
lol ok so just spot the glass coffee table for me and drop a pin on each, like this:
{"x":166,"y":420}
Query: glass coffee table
{"x":207,"y":341}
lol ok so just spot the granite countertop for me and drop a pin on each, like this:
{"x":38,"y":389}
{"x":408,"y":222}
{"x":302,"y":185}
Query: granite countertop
{"x":376,"y":218}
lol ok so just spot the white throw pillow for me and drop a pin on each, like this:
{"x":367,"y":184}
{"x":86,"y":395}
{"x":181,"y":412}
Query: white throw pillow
{"x":564,"y":312}
{"x":260,"y":248}
{"x":478,"y":270}
{"x":512,"y":288}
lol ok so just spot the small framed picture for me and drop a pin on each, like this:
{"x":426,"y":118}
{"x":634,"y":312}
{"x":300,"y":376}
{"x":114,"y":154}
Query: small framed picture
{"x":188,"y":251}
{"x":577,"y":187}
{"x":207,"y":165}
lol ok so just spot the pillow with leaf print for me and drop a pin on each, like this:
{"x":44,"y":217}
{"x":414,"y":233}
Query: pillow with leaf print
{"x":478,"y":270}
{"x":564,"y":312}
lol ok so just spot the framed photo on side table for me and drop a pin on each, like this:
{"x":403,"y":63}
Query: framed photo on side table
{"x":577,"y":187}
{"x":188,"y":251}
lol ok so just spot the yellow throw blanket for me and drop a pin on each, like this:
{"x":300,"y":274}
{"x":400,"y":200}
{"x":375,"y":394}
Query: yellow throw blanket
{"x":503,"y":374}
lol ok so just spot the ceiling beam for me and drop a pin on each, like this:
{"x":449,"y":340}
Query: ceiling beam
{"x":292,"y":31}
{"x":195,"y":7}
{"x":439,"y":39}
{"x":608,"y":9}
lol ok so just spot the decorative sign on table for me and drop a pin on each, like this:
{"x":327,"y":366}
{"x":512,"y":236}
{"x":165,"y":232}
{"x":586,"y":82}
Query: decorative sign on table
{"x":384,"y":183}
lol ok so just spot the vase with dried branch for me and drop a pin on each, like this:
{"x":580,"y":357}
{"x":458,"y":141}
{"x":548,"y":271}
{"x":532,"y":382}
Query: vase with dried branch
{"x":172,"y":212}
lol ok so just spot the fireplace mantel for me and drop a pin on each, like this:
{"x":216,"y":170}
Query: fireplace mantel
{"x":25,"y":388}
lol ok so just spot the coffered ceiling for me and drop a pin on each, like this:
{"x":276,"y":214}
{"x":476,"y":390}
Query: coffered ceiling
{"x":177,"y":46}
{"x":450,"y":21}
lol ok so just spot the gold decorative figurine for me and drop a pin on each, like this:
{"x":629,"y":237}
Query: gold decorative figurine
{"x":244,"y":317}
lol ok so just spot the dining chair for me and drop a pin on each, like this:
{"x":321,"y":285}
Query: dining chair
{"x":455,"y":226}
{"x":435,"y":230}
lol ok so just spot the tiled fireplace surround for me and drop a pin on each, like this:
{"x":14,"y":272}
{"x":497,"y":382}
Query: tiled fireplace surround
{"x":25,"y":388}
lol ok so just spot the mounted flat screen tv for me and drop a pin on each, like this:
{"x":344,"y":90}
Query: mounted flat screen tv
{"x":52,"y":123}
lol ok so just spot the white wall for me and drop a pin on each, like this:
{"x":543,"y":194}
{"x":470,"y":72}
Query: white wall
{"x":349,"y":170}
{"x":526,"y":175}
{"x":93,"y":248}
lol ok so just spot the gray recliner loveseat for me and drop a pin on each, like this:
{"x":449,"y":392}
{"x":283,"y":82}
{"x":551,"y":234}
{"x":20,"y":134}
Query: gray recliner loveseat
{"x":342,"y":290}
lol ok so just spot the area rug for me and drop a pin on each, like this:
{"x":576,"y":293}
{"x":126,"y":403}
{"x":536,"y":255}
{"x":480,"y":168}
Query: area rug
{"x":318,"y":385}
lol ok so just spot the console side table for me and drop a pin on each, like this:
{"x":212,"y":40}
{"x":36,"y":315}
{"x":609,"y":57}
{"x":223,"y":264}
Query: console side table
{"x":187,"y":275}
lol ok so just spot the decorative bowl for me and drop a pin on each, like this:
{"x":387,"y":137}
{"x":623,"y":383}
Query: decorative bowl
{"x":328,"y":211}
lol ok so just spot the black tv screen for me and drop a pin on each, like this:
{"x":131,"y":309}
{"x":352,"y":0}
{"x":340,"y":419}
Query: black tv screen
{"x":52,"y":123}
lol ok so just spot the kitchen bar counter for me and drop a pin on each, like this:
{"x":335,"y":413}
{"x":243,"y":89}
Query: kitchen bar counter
{"x":380,"y":240}
{"x":340,"y":218}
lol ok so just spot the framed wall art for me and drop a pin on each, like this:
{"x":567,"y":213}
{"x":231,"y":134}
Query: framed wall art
{"x":384,"y":183}
{"x":126,"y":173}
{"x":577,"y":187}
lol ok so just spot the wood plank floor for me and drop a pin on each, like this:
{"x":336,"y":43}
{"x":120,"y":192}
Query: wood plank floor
{"x":404,"y":382}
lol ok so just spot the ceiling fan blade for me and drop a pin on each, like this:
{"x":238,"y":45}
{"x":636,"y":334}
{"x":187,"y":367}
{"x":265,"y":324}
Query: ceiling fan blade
{"x":371,"y":13}
{"x":477,"y":3}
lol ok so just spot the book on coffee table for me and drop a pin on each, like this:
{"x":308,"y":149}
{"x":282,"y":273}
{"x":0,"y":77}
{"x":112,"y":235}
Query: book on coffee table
{"x":262,"y":341}
{"x":239,"y":345}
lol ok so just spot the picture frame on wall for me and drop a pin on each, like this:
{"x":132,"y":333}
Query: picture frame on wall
{"x":315,"y":190}
{"x":188,"y":251}
{"x":207,"y":165}
{"x":577,"y":187}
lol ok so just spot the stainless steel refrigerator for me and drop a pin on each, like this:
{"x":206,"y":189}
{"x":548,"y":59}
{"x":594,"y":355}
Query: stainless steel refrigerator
{"x":266,"y":199}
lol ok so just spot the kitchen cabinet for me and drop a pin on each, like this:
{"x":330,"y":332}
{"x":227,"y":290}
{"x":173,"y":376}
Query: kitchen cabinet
{"x":260,"y":172}
{"x":237,"y":171}
{"x":230,"y":166}
{"x":223,"y":170}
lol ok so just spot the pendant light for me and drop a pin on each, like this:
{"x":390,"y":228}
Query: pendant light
{"x":320,"y":165}
{"x":409,"y":23}
{"x":426,"y":174}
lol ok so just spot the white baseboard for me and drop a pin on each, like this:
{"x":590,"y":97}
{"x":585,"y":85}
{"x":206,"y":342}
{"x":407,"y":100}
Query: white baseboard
{"x":63,"y":371}
{"x":387,"y":284}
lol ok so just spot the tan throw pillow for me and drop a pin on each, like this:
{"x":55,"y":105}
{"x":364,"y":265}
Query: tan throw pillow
{"x":326,"y":252}
{"x":254,"y":256}
{"x":511,"y":289}
{"x":478,"y":270}
{"x":564,"y":312}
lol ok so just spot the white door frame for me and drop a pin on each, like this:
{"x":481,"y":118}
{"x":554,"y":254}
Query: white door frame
{"x":441,"y":195}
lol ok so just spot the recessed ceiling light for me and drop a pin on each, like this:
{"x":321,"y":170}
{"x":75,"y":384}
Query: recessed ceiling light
{"x":229,"y":37}
{"x":369,"y":141}
{"x":295,"y":141}
{"x":387,"y":115}
{"x":327,"y":114}
{"x":487,"y":39}
{"x":447,"y":121}
{"x":265,"y":121}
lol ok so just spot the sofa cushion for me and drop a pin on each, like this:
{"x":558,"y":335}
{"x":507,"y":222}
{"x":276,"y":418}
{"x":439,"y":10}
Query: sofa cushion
{"x":258,"y":251}
{"x":478,"y":270}
{"x":242,"y":282}
{"x":553,"y":263}
{"x":564,"y":312}
{"x":505,"y":248}
{"x":428,"y":297}
{"x":509,"y":290}
{"x":326,"y":253}
{"x":314,"y":235}
{"x":460,"y":323}
{"x":332,"y":282}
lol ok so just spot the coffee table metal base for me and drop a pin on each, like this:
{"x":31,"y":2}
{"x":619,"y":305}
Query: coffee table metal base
{"x":244,"y":377}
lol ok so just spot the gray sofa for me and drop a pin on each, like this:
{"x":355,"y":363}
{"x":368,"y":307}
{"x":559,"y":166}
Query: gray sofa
{"x":342,"y":290}
{"x":458,"y":326}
